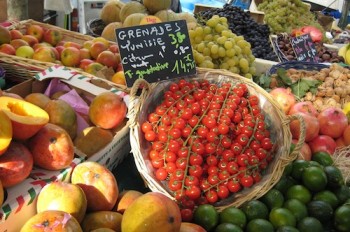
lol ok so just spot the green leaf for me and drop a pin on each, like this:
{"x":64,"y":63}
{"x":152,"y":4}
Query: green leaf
{"x":263,"y":81}
{"x":301,"y":87}
{"x":282,"y":73}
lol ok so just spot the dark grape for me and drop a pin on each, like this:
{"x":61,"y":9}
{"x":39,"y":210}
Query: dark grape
{"x":241,"y":23}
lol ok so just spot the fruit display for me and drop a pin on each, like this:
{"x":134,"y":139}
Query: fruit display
{"x":242,"y":24}
{"x":216,"y":46}
{"x":310,"y":196}
{"x":324,"y":88}
{"x":40,"y":131}
{"x":324,"y":53}
{"x":290,"y":15}
{"x":41,"y":44}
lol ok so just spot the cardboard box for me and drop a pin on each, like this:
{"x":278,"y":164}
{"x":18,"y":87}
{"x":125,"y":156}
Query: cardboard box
{"x":20,"y":204}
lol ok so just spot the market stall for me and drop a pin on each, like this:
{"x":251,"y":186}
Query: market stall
{"x":216,"y":119}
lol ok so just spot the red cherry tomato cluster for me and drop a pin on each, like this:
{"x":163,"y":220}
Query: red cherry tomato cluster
{"x":208,"y":141}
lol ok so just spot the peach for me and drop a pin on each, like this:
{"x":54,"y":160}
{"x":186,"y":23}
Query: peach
{"x":38,"y":99}
{"x":107,"y":110}
{"x":98,"y":183}
{"x":84,"y":53}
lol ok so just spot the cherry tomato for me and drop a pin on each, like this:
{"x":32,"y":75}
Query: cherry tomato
{"x":150,"y":136}
{"x":178,"y":174}
{"x":146,"y":126}
{"x":233,"y":186}
{"x":212,"y":196}
{"x":179,"y":123}
{"x":196,"y":170}
{"x":232,"y":167}
{"x":186,"y":215}
{"x":223,"y":192}
{"x":247,"y":181}
{"x":193,"y":192}
{"x":242,"y":160}
{"x":181,"y":163}
{"x":161,"y":174}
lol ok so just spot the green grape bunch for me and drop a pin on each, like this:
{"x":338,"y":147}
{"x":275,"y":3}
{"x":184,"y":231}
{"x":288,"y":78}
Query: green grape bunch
{"x":216,"y":46}
{"x":286,"y":15}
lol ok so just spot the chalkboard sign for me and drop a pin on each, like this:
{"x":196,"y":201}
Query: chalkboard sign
{"x":304,"y":48}
{"x":155,"y":52}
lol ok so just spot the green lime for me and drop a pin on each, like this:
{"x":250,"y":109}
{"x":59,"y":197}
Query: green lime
{"x":342,"y":218}
{"x":297,"y":208}
{"x":254,"y":209}
{"x":320,"y":210}
{"x":233,"y":215}
{"x":327,"y":196}
{"x":206,"y":216}
{"x":310,"y":224}
{"x":259,"y":225}
{"x":287,"y":229}
{"x":284,"y":183}
{"x":314,"y":178}
{"x":282,"y":217}
{"x":299,"y":192}
{"x":316,"y":164}
{"x":288,"y":169}
{"x":334,"y":177}
{"x":273,"y":199}
{"x":298,"y":168}
{"x":342,"y":193}
{"x":228,"y":227}
{"x":322,"y":158}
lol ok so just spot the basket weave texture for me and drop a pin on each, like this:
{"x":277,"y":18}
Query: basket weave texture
{"x":19,"y":69}
{"x":142,"y":105}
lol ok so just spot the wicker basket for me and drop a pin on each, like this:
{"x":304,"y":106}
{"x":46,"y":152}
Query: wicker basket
{"x":19,"y":69}
{"x":142,"y":105}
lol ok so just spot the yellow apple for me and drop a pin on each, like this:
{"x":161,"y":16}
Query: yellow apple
{"x":25,"y":52}
{"x":45,"y":54}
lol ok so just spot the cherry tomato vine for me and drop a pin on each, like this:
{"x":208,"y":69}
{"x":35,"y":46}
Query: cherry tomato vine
{"x":208,"y":141}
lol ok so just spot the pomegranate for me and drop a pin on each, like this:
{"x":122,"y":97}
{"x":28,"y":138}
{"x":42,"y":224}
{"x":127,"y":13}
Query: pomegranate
{"x":284,"y":97}
{"x":323,"y":143}
{"x":303,"y":107}
{"x":305,"y":151}
{"x":333,"y":122}
{"x":312,"y":127}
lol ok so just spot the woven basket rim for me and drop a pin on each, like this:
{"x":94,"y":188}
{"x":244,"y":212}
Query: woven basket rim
{"x":136,"y":103}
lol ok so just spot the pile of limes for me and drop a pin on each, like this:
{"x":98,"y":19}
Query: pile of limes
{"x":310,"y":196}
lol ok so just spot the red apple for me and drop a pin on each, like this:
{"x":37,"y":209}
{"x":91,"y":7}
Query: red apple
{"x":108,"y":59}
{"x":84,"y":63}
{"x":55,"y":51}
{"x":45,"y":54}
{"x":120,"y":67}
{"x":59,"y":50}
{"x":71,"y":44}
{"x":16,"y":43}
{"x":31,"y":40}
{"x":84,"y":53}
{"x":61,"y":43}
{"x":97,"y":48}
{"x":16,"y":34}
{"x":114,"y":48}
{"x":8,"y":49}
{"x":70,"y":57}
{"x":36,"y":30}
{"x":53,"y":36}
